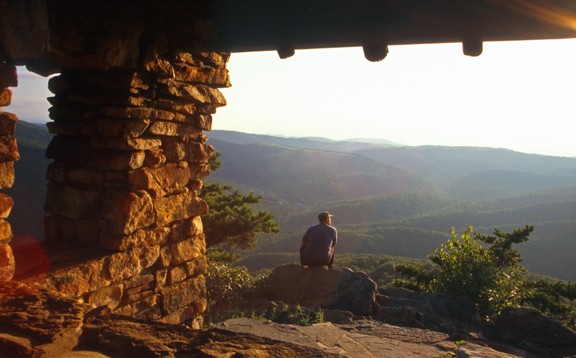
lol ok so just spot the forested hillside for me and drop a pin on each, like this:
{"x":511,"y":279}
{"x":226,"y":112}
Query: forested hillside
{"x":386,"y":199}
{"x":443,"y":187}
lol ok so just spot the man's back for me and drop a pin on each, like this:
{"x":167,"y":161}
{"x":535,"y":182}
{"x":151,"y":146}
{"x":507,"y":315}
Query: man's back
{"x":318,"y":242}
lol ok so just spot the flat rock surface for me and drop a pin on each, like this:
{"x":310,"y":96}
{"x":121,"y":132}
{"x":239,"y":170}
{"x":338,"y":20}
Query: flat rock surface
{"x":362,"y":339}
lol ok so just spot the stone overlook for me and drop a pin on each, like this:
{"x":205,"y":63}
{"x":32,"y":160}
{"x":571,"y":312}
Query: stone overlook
{"x":128,"y":115}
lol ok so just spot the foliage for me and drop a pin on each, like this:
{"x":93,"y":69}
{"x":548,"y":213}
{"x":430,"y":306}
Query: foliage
{"x":416,"y":278}
{"x":492,"y":277}
{"x":231,"y":221}
{"x":227,"y":285}
{"x":554,"y":298}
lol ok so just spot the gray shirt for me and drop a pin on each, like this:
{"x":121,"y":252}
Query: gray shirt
{"x":318,"y":242}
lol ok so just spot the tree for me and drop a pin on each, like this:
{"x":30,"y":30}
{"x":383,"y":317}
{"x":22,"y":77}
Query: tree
{"x":231,"y":222}
{"x":490,"y":276}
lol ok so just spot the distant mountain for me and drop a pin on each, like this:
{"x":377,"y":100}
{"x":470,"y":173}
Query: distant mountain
{"x":472,"y":172}
{"x":441,"y":187}
{"x":436,"y":162}
{"x":29,"y":190}
{"x":308,"y":177}
{"x":299,"y":142}
{"x":387,"y":200}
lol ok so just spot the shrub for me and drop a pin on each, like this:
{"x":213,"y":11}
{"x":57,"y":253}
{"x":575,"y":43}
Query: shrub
{"x":227,"y":285}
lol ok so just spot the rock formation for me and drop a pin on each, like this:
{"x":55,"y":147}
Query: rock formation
{"x":340,"y":289}
{"x":8,"y":154}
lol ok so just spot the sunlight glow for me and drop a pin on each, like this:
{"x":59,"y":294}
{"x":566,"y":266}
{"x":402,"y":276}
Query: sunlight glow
{"x":532,"y":8}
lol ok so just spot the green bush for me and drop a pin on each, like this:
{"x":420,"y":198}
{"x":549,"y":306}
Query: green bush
{"x":468,"y":269}
{"x":489,"y":275}
{"x":227,"y":285}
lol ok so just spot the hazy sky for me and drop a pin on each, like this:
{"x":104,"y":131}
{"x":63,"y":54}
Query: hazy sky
{"x":516,"y":95}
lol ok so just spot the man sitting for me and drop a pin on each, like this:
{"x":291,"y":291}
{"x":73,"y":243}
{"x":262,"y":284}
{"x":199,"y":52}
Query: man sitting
{"x":318,"y":243}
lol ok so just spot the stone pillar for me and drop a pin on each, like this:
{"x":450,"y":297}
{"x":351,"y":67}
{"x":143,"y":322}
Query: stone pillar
{"x":129,"y":158}
{"x":8,"y":154}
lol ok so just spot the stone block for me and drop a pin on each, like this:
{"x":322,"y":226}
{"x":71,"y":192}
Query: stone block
{"x":125,"y":212}
{"x":7,"y":263}
{"x":111,"y":160}
{"x":5,"y":231}
{"x":177,"y":274}
{"x":66,"y":113}
{"x":187,"y":250}
{"x":160,"y":67}
{"x":140,"y":238}
{"x":6,"y":175}
{"x":139,"y":297}
{"x":65,"y":148}
{"x":128,"y":264}
{"x":116,"y":79}
{"x":8,"y":149}
{"x":160,"y":181}
{"x":121,"y":128}
{"x":8,"y":122}
{"x":213,"y":59}
{"x":184,"y":294}
{"x":111,"y":97}
{"x":217,"y":77}
{"x":79,"y":279}
{"x":178,"y":207}
{"x":165,"y":258}
{"x":129,"y":144}
{"x":5,"y":97}
{"x":6,"y":204}
{"x":195,"y":184}
{"x":207,"y":108}
{"x":199,"y":170}
{"x":139,"y":284}
{"x":197,"y":267}
{"x":73,"y":128}
{"x":188,"y":92}
{"x":182,"y":315}
{"x":199,"y":152}
{"x":146,"y":308}
{"x":116,"y":179}
{"x":72,"y":202}
{"x":176,"y":106}
{"x":108,"y":296}
{"x":72,"y":232}
{"x":174,"y":149}
{"x":142,"y":113}
{"x":186,"y":229}
{"x":203,"y":121}
{"x":154,"y":157}
{"x":8,"y":75}
{"x":62,"y":174}
{"x":161,"y":278}
{"x":173,"y":129}
{"x":153,"y":313}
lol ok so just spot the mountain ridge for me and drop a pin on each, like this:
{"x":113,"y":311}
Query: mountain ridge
{"x":387,"y":206}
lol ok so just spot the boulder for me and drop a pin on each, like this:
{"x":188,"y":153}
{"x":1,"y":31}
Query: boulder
{"x":340,"y":289}
{"x":529,"y":329}
{"x":448,"y":314}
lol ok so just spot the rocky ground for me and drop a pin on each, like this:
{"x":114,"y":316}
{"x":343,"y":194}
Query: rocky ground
{"x":403,"y":324}
{"x":44,"y":325}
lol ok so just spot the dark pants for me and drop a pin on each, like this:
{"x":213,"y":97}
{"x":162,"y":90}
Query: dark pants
{"x":316,"y":263}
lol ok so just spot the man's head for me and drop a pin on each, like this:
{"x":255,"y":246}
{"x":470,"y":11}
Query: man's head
{"x":325,"y":217}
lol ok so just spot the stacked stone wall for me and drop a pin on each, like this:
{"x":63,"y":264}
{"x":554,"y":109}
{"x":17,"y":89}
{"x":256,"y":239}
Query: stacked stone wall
{"x":8,"y":154}
{"x":129,"y":158}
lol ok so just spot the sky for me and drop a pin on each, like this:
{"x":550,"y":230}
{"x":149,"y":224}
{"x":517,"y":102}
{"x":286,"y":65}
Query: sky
{"x":516,"y":95}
